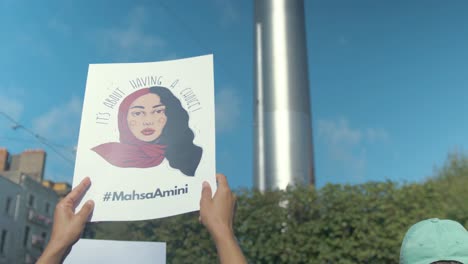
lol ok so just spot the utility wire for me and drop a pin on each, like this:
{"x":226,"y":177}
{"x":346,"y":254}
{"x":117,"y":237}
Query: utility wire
{"x":17,"y":125}
{"x":16,"y":139}
{"x":38,"y":137}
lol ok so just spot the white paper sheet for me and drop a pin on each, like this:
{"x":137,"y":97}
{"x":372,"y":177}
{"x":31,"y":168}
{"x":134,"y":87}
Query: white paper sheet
{"x":93,"y":251}
{"x":125,"y":127}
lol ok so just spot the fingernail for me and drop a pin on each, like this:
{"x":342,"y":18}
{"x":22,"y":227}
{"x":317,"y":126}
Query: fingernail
{"x":90,"y":202}
{"x":205,"y":184}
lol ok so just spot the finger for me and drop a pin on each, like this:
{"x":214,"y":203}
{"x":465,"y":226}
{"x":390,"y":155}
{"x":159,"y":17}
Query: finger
{"x":85,"y":211}
{"x":234,"y":210}
{"x":79,"y":190}
{"x":206,"y":193}
{"x":221,"y":179}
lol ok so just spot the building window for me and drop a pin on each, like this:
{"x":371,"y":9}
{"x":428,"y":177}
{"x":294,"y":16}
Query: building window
{"x":3,"y":242}
{"x":47,"y":208}
{"x":31,"y":201}
{"x":8,"y":205}
{"x":44,"y":238}
{"x":26,"y":236}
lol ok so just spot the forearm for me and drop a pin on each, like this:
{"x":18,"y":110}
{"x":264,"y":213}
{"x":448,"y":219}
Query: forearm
{"x":229,"y":250}
{"x":52,"y":255}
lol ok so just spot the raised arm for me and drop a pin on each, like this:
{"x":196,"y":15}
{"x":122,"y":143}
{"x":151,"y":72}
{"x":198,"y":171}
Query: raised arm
{"x":67,"y":226}
{"x":216,"y":214}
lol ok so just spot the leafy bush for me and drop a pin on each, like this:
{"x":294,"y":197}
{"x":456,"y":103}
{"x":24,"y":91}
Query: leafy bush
{"x":336,"y":224}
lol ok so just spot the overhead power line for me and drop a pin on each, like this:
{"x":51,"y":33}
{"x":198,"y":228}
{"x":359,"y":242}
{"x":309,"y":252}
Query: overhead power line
{"x":41,"y":139}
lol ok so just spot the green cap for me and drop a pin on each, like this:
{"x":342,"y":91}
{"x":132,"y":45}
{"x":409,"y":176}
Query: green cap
{"x":435,"y":240}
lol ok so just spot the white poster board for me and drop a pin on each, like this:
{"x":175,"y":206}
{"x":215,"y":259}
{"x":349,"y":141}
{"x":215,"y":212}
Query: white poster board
{"x":147,"y":138}
{"x":94,"y":251}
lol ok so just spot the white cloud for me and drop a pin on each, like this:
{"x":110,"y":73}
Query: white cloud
{"x":130,"y":40}
{"x":343,"y":40}
{"x":227,"y":110}
{"x":347,"y":145}
{"x":339,"y":132}
{"x":11,"y":107}
{"x":58,"y":25}
{"x":376,"y":135}
{"x":228,"y":10}
{"x":60,"y":122}
{"x":41,"y":47}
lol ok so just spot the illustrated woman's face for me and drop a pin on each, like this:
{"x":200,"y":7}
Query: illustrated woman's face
{"x":147,"y":117}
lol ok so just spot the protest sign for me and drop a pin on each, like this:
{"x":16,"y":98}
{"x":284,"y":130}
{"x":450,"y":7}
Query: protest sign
{"x":147,"y":138}
{"x":95,"y":251}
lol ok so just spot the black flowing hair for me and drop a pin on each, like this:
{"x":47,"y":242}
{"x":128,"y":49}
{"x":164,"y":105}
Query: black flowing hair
{"x":181,"y":153}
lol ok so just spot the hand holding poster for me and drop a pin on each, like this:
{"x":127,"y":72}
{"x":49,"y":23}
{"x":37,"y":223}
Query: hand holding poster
{"x":147,"y":138}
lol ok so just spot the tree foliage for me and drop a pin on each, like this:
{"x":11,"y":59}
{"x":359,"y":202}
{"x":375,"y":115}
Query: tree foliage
{"x":335,"y":224}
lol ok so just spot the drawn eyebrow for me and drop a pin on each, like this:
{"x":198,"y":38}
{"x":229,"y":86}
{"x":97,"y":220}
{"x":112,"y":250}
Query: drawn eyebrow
{"x":158,"y":105}
{"x":137,"y":106}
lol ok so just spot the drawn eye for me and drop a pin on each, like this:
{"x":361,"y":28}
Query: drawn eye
{"x":137,"y":113}
{"x":159,"y":111}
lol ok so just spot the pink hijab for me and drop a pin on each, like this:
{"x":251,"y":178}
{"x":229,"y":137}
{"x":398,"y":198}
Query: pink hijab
{"x":131,"y":152}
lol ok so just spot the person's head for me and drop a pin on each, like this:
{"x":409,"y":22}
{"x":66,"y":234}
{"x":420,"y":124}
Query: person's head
{"x":434,"y":241}
{"x":155,"y":115}
{"x":141,"y":117}
{"x":447,"y":262}
{"x":146,"y":117}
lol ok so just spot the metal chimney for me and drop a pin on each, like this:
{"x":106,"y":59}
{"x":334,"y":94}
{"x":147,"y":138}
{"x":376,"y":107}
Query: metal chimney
{"x":282,"y":121}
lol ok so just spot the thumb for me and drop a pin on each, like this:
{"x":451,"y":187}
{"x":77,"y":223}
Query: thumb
{"x":85,"y":211}
{"x":206,"y":193}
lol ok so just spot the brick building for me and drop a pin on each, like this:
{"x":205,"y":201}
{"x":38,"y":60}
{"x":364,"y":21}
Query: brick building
{"x":30,"y":162}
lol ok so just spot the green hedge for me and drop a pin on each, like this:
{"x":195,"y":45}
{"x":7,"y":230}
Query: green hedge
{"x":335,"y":224}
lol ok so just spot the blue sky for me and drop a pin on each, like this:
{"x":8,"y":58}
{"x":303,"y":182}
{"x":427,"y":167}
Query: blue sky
{"x":388,"y":79}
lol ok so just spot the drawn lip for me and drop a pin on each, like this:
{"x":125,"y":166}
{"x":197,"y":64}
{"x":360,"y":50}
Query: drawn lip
{"x":147,"y":131}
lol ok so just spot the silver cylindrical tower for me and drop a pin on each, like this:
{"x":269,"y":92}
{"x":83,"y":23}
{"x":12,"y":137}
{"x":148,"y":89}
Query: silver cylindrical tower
{"x":282,"y":121}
